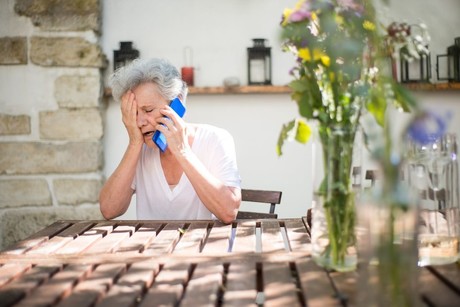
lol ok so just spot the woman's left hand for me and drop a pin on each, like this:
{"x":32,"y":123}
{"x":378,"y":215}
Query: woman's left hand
{"x":174,"y":129}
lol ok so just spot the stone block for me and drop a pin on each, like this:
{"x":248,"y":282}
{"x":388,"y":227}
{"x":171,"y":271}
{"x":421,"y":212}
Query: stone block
{"x":66,"y":52}
{"x":24,"y":192}
{"x":13,"y":50}
{"x":80,"y":124}
{"x":77,"y":91}
{"x":45,"y":158}
{"x":14,"y":124}
{"x":77,"y":191}
{"x":18,"y":224}
{"x":61,"y":15}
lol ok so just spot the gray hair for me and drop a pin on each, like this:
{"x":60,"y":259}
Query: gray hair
{"x":158,"y":71}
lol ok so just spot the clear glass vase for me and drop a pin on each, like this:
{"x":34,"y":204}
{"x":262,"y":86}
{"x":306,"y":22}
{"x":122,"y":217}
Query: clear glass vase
{"x":387,"y":228}
{"x":333,"y":214}
{"x":433,"y":174}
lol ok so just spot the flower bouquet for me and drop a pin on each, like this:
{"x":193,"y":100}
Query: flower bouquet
{"x":338,"y":48}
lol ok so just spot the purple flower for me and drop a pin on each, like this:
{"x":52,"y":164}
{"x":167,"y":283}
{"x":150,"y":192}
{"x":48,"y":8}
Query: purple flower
{"x":300,"y":15}
{"x":351,"y":5}
{"x":301,"y":12}
{"x":427,"y":127}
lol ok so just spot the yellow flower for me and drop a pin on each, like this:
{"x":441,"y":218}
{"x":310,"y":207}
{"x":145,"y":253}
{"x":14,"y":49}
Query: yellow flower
{"x":304,"y":54}
{"x":286,"y":14}
{"x":369,"y":25}
{"x":326,"y":60}
{"x":339,"y":19}
{"x":314,"y":17}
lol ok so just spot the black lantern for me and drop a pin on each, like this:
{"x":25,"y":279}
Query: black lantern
{"x":125,"y":55}
{"x":417,"y":70}
{"x":259,"y":63}
{"x":453,"y":62}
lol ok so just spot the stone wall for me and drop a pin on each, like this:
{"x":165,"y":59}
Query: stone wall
{"x":51,"y":154}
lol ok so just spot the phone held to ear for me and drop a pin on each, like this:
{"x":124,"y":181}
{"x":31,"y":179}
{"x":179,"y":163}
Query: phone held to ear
{"x":158,"y":138}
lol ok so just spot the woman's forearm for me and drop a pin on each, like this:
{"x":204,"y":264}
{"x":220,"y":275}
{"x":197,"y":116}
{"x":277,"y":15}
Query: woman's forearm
{"x":221,"y":200}
{"x":115,"y":195}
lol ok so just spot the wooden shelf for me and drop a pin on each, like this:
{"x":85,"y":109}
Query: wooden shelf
{"x":249,"y":89}
{"x":433,"y":86}
{"x":279,"y":89}
{"x":284,"y":89}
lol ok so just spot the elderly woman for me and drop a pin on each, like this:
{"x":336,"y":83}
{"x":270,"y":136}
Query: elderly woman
{"x":196,"y":177}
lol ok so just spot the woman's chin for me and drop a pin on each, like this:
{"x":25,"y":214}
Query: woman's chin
{"x":149,"y":142}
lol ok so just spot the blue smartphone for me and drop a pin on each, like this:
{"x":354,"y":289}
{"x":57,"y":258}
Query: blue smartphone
{"x":158,"y":138}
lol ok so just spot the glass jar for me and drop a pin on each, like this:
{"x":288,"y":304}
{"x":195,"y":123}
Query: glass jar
{"x":333,"y":214}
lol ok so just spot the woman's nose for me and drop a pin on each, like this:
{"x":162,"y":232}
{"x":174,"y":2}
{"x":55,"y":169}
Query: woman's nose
{"x":141,"y":119}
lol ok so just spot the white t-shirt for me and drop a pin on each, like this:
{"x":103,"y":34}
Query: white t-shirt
{"x":214,"y":147}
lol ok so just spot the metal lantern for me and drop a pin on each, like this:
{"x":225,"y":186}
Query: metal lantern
{"x":417,"y":70}
{"x":453,"y":62}
{"x":259,"y":63}
{"x":125,"y":55}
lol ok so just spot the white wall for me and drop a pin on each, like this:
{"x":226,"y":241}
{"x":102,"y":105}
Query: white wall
{"x":219,"y":33}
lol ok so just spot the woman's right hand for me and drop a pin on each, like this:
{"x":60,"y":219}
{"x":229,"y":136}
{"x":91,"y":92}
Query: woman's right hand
{"x":129,"y":117}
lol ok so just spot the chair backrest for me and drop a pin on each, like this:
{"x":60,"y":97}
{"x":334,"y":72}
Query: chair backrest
{"x":263,"y":197}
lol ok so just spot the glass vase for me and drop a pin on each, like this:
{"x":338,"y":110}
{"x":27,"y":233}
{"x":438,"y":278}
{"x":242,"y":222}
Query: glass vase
{"x":333,"y":214}
{"x":387,"y":230}
{"x":433,"y":174}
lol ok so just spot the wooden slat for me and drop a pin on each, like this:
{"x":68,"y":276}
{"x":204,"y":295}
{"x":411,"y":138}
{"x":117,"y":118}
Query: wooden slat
{"x":166,"y":240}
{"x":112,"y":240}
{"x":86,"y":239}
{"x":193,"y":239}
{"x":450,"y":274}
{"x":37,"y":238}
{"x":57,"y":287}
{"x":346,"y":285}
{"x":219,"y":239}
{"x":203,"y":288}
{"x":241,"y":287}
{"x":297,"y":236}
{"x":168,"y":286}
{"x":369,"y":288}
{"x":10,"y":271}
{"x":272,"y":239}
{"x":64,"y":237}
{"x":140,"y":239}
{"x":315,"y":284}
{"x":87,"y":292}
{"x":130,"y":287}
{"x":25,"y":284}
{"x":436,"y":292}
{"x":261,"y":196}
{"x":279,"y":286}
{"x":245,"y":238}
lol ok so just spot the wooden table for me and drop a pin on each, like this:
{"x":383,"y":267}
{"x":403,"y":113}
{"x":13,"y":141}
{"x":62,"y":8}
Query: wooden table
{"x":185,"y":263}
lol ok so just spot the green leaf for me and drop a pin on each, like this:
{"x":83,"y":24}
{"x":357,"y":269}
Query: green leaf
{"x":284,"y":134}
{"x":304,"y":103}
{"x":316,"y":95}
{"x":299,"y":86}
{"x":303,"y":132}
{"x":377,"y":106}
{"x":403,"y":97}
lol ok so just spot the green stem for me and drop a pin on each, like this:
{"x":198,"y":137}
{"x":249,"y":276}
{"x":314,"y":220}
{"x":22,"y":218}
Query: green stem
{"x":337,"y":194}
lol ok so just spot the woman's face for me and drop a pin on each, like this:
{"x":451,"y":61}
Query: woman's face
{"x":149,"y":101}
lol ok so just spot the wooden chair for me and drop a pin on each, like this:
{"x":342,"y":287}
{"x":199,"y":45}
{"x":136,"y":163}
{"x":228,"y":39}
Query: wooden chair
{"x":260,"y":196}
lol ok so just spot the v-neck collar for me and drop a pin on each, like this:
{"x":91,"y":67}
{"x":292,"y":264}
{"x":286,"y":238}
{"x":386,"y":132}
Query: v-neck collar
{"x":161,"y":175}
